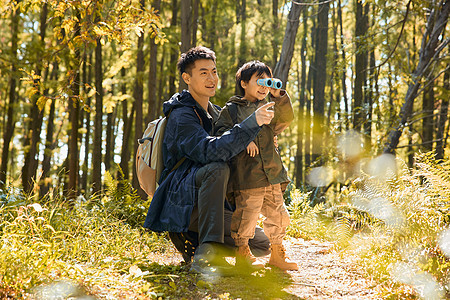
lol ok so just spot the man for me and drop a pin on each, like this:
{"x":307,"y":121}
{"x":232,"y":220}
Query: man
{"x":192,"y":187}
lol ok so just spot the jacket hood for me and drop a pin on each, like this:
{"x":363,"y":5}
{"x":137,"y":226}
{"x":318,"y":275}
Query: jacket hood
{"x":240,"y":101}
{"x":178,"y":100}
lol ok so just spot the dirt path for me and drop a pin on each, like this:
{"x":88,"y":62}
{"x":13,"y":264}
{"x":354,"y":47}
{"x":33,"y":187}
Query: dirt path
{"x":322,"y":275}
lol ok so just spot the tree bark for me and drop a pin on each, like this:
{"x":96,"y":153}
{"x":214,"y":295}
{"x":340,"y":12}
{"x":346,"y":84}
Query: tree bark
{"x":74,"y":115}
{"x":428,"y":118}
{"x":320,"y":63}
{"x":283,"y":65}
{"x":50,"y":142}
{"x":87,"y":136}
{"x":275,"y":26}
{"x":435,"y":25}
{"x":152,"y":76}
{"x":29,"y":168}
{"x":443,"y":116}
{"x":185,"y":8}
{"x":173,"y":52}
{"x":138,"y":101}
{"x":361,"y":28}
{"x":10,"y":122}
{"x":301,"y":120}
{"x":97,"y":156}
{"x":127,"y":125}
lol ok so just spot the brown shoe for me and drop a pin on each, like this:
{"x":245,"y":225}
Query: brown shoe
{"x":244,"y":258}
{"x":278,"y":259}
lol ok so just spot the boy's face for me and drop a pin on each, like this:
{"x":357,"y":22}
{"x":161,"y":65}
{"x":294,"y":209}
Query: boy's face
{"x":203,"y":80}
{"x":253,"y":91}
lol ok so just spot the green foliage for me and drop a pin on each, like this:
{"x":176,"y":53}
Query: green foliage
{"x":84,"y":244}
{"x":123,"y":202}
{"x":393,"y":225}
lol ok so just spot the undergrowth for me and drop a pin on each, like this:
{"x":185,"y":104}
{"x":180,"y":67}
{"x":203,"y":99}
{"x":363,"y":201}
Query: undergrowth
{"x":84,"y":244}
{"x":395,"y":225}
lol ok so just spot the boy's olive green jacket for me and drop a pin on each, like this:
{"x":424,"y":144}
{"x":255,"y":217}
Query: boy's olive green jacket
{"x":265,"y":168}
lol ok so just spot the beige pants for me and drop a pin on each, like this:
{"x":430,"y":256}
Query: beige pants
{"x":249,"y":204}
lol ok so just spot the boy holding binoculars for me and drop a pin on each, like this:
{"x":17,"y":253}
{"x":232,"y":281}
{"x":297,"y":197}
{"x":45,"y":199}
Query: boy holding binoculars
{"x":257,"y":177}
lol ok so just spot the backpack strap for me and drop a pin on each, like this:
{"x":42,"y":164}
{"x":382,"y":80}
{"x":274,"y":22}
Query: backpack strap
{"x":232,"y":108}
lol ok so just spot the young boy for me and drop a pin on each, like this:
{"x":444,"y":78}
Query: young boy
{"x":257,"y":174}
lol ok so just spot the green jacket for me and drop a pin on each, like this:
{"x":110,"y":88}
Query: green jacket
{"x":266,"y":168}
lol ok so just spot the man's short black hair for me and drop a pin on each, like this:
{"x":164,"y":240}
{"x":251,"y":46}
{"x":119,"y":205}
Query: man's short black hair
{"x":187,"y":59}
{"x":246,"y":72}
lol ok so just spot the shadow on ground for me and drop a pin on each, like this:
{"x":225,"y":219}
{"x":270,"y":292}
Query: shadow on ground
{"x":177,"y":282}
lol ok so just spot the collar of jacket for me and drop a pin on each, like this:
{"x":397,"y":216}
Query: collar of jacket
{"x":241,"y":101}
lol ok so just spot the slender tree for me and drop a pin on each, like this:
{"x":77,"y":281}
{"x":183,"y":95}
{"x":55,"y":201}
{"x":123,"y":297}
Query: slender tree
{"x":97,"y":156}
{"x":138,"y":100}
{"x":429,"y":52}
{"x":10,"y":120}
{"x":320,"y":63}
{"x":287,"y":51}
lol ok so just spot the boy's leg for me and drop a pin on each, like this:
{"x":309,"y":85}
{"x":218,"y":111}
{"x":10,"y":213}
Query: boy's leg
{"x":277,"y":219}
{"x":243,"y":224}
{"x":276,"y":214}
{"x":245,"y":217}
{"x":259,"y":244}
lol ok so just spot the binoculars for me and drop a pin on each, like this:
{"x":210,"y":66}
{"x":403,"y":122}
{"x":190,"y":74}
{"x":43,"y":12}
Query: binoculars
{"x":270,"y":82}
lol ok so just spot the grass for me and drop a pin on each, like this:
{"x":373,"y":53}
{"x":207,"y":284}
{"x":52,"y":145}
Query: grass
{"x":394,"y":226}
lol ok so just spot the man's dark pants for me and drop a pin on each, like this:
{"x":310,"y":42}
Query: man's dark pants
{"x":210,"y":221}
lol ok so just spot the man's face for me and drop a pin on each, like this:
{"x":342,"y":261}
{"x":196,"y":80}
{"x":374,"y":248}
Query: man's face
{"x":203,"y":79}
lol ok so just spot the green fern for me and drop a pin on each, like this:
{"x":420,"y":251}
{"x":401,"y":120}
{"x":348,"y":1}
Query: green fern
{"x":123,"y":202}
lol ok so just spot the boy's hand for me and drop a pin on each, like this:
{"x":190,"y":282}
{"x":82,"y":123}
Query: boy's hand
{"x":252,"y":149}
{"x":265,"y":114}
{"x":275,"y":92}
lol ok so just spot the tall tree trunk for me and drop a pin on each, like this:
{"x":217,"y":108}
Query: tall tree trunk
{"x":138,"y":100}
{"x":185,"y":33}
{"x":74,"y":115}
{"x":195,"y":6}
{"x":443,"y":116}
{"x":428,"y":118}
{"x":344,"y":72}
{"x":368,"y":93}
{"x":282,"y":67}
{"x":361,"y":28}
{"x":49,"y":141}
{"x":152,"y":78}
{"x":301,"y":120}
{"x":10,"y":122}
{"x":173,"y":51}
{"x":320,"y":62}
{"x":275,"y":26}
{"x":29,"y":168}
{"x":308,"y":116}
{"x":127,"y":125}
{"x":242,"y":56}
{"x":98,"y":121}
{"x":109,"y":151}
{"x":87,"y":135}
{"x":429,"y":49}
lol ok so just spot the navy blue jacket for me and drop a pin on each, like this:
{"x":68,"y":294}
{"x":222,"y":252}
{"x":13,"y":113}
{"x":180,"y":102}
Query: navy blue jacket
{"x":185,"y":136}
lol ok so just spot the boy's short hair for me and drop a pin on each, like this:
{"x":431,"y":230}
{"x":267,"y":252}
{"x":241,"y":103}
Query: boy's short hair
{"x":187,"y":59}
{"x":246,"y":72}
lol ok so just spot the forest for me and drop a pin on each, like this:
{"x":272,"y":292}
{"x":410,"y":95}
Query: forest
{"x":81,"y":79}
{"x":369,"y":81}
